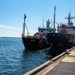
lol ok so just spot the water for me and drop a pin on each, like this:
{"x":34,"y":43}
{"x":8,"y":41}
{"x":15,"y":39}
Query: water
{"x":14,"y":60}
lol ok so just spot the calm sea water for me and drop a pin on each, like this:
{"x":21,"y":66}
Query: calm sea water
{"x":14,"y":60}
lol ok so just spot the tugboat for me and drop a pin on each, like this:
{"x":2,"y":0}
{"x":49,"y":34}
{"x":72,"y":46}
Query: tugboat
{"x":39,"y":40}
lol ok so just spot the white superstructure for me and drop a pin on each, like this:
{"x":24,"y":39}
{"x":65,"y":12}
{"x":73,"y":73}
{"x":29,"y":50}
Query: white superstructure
{"x":69,"y":28}
{"x":47,"y":29}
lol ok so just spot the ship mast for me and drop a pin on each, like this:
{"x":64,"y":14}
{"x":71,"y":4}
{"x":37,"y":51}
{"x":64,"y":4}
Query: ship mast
{"x":54,"y":17}
{"x":43,"y":22}
{"x":24,"y":24}
{"x":69,"y":19}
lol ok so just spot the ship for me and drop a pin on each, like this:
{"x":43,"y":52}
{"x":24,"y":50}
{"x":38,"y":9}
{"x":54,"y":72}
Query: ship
{"x":68,"y":28}
{"x":47,"y":37}
{"x":39,"y":40}
{"x":63,"y":38}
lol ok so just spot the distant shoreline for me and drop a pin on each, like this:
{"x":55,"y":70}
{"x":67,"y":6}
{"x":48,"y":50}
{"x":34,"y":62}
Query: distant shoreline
{"x":10,"y":37}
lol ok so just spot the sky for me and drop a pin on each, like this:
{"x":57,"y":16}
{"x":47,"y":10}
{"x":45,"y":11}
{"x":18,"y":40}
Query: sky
{"x":12,"y":14}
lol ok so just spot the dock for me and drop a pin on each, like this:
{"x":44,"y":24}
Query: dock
{"x":63,"y":64}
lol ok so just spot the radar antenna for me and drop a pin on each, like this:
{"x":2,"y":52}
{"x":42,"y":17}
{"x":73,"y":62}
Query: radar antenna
{"x":69,"y":18}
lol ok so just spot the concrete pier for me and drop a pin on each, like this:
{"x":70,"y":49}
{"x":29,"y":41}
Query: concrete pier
{"x":65,"y":67}
{"x":63,"y":64}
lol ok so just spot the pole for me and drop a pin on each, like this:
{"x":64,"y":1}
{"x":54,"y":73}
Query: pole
{"x":54,"y":18}
{"x":24,"y":24}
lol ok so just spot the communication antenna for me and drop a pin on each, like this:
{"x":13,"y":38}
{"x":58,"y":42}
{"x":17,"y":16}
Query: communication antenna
{"x":69,"y":18}
{"x":43,"y":22}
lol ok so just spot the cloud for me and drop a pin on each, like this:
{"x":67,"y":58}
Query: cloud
{"x":10,"y":27}
{"x":9,"y":33}
{"x":12,"y":31}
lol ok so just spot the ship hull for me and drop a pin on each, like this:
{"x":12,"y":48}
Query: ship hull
{"x":60,"y":42}
{"x":34,"y":44}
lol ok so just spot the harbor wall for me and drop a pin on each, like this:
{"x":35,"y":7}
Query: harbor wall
{"x":49,"y":62}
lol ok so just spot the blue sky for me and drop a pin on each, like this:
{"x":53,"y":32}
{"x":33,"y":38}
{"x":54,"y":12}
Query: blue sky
{"x":12,"y":14}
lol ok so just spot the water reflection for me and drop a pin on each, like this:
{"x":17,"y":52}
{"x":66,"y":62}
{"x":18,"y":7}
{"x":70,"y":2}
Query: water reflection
{"x":32,"y":59}
{"x":14,"y":60}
